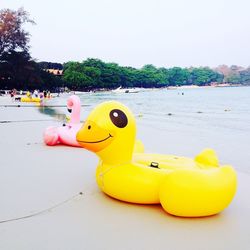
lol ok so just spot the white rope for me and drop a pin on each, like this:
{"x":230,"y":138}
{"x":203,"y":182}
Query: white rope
{"x":42,"y":211}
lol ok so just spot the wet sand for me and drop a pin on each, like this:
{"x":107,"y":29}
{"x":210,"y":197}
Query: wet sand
{"x":56,"y":186}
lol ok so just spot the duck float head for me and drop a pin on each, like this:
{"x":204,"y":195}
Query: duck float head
{"x":109,"y":132}
{"x":183,"y":186}
{"x":66,"y":134}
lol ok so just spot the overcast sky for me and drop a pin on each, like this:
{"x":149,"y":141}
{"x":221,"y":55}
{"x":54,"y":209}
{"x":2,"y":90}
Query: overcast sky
{"x":137,"y":32}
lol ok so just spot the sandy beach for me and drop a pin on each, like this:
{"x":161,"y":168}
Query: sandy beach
{"x":54,"y":188}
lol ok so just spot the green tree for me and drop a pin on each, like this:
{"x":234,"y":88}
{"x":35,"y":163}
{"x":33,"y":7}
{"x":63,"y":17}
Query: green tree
{"x":128,"y":77}
{"x":244,"y":76}
{"x":17,"y":68}
{"x":205,"y":75}
{"x":178,"y":76}
{"x":233,"y":78}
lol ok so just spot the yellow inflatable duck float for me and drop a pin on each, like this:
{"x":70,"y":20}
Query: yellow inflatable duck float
{"x":183,"y":186}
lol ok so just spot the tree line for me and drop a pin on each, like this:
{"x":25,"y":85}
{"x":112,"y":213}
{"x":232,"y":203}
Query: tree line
{"x":94,"y":73}
{"x":18,"y":70}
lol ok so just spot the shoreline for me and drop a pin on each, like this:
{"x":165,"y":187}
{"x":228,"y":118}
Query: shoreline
{"x":137,"y":89}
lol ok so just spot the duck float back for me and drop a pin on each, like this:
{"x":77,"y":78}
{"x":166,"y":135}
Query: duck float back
{"x":183,"y":186}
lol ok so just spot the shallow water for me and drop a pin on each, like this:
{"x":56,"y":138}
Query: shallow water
{"x":184,"y":121}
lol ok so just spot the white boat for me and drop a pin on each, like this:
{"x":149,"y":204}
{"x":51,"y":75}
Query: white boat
{"x":127,"y":90}
{"x":118,"y":90}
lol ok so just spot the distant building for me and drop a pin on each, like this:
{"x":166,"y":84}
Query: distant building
{"x":56,"y":72}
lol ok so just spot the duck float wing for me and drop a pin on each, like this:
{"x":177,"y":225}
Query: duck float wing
{"x":196,"y":193}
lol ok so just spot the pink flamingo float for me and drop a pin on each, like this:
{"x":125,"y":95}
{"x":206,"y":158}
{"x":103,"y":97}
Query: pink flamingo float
{"x":66,"y":134}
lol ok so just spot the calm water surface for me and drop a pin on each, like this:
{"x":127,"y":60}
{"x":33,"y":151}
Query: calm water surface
{"x":184,"y":121}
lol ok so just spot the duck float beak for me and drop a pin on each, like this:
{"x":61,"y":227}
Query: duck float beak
{"x":93,"y":137}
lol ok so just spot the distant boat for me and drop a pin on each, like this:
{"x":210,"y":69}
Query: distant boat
{"x":118,"y":90}
{"x":121,"y":90}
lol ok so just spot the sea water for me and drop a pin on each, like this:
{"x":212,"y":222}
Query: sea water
{"x":184,"y":121}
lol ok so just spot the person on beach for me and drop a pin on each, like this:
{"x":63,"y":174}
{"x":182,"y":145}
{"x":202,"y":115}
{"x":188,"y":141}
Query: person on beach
{"x":12,"y":93}
{"x":35,"y":93}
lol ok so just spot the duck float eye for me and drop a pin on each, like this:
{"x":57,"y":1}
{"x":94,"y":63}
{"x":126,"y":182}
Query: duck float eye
{"x":118,"y":118}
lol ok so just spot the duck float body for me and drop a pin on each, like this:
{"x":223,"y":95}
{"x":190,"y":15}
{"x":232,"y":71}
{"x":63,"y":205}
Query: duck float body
{"x":183,"y":186}
{"x":66,"y":134}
